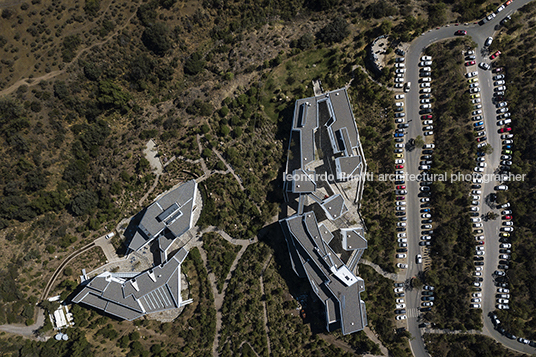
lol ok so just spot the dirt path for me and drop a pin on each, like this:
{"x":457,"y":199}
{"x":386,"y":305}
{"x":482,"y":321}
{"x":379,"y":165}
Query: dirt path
{"x":374,"y":338}
{"x":219,"y":298}
{"x":33,"y":81}
{"x":265,"y":309}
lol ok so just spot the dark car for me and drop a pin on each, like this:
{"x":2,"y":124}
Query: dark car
{"x":399,"y":285}
{"x":424,"y":309}
{"x":479,"y":263}
{"x":429,"y":293}
{"x":401,"y":250}
{"x":401,"y":311}
{"x":478,"y":258}
{"x":400,"y":52}
{"x":400,"y":295}
{"x":427,"y":298}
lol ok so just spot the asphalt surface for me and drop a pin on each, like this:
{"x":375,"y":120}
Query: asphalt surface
{"x":413,"y":209}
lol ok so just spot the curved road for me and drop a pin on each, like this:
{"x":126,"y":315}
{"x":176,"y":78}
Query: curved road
{"x":479,"y":34}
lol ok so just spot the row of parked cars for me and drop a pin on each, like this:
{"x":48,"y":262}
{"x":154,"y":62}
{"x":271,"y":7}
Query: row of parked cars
{"x":476,"y":193}
{"x":400,"y":188}
{"x":507,"y":225}
{"x":497,"y":323}
{"x":400,"y":302}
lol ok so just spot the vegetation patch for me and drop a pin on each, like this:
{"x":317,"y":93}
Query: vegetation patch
{"x":221,"y":255}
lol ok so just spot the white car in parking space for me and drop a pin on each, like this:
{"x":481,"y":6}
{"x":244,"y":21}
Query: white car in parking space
{"x":400,"y":65}
{"x":427,"y":122}
{"x":428,"y":133}
{"x":477,"y":294}
{"x":476,"y":300}
{"x":401,"y":235}
{"x":401,"y":317}
{"x":401,"y":70}
{"x":474,"y":209}
{"x":425,"y":63}
{"x":425,"y":199}
{"x":426,"y":58}
{"x":401,"y":306}
{"x":399,"y":79}
{"x":426,"y":90}
{"x":402,"y":240}
{"x":400,"y":300}
{"x":424,"y":85}
{"x":402,"y":266}
{"x":401,"y":256}
{"x":399,"y":96}
{"x":426,"y":215}
{"x":401,"y":203}
{"x":475,"y":306}
{"x":399,"y":104}
{"x":399,"y":290}
{"x":425,"y":106}
{"x":478,"y":169}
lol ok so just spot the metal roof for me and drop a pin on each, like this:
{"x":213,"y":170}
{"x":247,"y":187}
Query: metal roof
{"x":154,"y":290}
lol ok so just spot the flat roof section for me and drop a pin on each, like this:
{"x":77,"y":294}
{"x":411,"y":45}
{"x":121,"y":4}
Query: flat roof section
{"x":334,"y":207}
{"x":348,"y":167}
{"x":171,"y":212}
{"x":344,"y":117}
{"x":302,"y":182}
{"x":353,"y":238}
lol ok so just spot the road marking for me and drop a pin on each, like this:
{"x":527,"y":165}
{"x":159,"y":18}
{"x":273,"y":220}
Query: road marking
{"x":412,"y":313}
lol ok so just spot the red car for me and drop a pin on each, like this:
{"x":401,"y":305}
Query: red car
{"x":400,"y":187}
{"x":460,"y":33}
{"x":480,"y":243}
{"x":507,"y":217}
{"x":508,"y":2}
{"x":495,"y":55}
{"x":503,"y":130}
{"x":400,"y":198}
{"x":497,"y":70}
{"x":399,"y":167}
{"x":470,"y":63}
{"x":482,"y":138}
{"x":423,"y":117}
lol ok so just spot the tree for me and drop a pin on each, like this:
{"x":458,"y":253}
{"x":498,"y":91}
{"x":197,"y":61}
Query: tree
{"x":195,"y":64}
{"x":111,"y":95}
{"x":306,"y":41}
{"x":419,"y":141}
{"x":335,"y":31}
{"x":92,"y":7}
{"x":84,"y":202}
{"x":486,"y":149}
{"x":156,"y":38}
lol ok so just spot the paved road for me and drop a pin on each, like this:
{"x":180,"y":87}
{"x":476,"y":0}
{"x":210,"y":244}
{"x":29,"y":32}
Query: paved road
{"x":479,"y":35}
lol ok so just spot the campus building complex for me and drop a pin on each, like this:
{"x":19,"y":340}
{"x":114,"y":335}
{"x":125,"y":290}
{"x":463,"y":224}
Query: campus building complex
{"x":323,"y":186}
{"x":156,"y":290}
{"x":130,"y":295}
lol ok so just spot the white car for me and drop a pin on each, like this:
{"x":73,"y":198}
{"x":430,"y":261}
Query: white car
{"x":426,"y":79}
{"x":477,"y":284}
{"x":425,"y":199}
{"x":399,"y":71}
{"x":399,"y":120}
{"x":425,"y":63}
{"x":426,"y":58}
{"x":400,"y":208}
{"x":478,"y":273}
{"x":476,"y":100}
{"x":427,"y":303}
{"x":400,"y":65}
{"x":424,"y":85}
{"x":428,"y":133}
{"x":471,"y":74}
{"x":503,"y":290}
{"x":505,"y":245}
{"x":500,"y":8}
{"x":401,"y":306}
{"x":474,"y":209}
{"x":400,"y":96}
{"x":503,"y":301}
{"x":402,"y":266}
{"x":426,"y":90}
{"x":426,"y":215}
{"x":399,"y":80}
{"x":488,"y":41}
{"x":476,"y":192}
{"x":476,"y":300}
{"x":426,"y":237}
{"x":401,"y":256}
{"x":401,"y":317}
{"x":401,"y":203}
{"x":399,"y":290}
{"x":479,"y":247}
{"x":508,"y":223}
{"x":426,"y":69}
{"x":399,"y":161}
{"x":425,"y":101}
{"x":478,"y":269}
{"x":476,"y":306}
{"x":402,"y":240}
{"x":477,"y":294}
{"x":399,"y":104}
{"x":478,"y":169}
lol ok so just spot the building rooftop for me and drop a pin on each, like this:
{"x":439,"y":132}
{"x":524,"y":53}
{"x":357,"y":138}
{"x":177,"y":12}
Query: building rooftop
{"x":334,"y":284}
{"x":326,"y":120}
{"x":158,"y":289}
{"x":167,"y":218}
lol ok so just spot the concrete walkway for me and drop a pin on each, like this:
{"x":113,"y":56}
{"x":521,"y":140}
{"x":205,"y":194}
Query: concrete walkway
{"x":379,"y":270}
